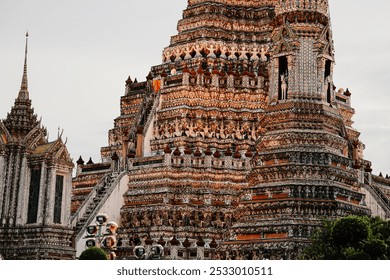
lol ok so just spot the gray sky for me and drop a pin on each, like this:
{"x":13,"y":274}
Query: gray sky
{"x":81,"y":52}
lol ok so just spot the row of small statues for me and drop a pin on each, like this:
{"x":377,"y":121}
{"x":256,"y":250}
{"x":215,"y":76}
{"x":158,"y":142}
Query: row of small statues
{"x":214,"y":51}
{"x":288,"y":5}
{"x":165,"y":218}
{"x":231,"y":130}
{"x":324,"y":87}
{"x":233,"y":13}
{"x":255,"y":254}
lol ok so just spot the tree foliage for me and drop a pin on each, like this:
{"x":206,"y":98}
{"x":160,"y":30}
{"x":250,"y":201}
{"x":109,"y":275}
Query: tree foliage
{"x":351,"y":238}
{"x":93,"y":253}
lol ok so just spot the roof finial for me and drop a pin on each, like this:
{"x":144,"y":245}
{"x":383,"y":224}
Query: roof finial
{"x":23,"y":93}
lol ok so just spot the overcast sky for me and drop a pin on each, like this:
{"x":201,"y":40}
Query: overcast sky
{"x":81,"y":52}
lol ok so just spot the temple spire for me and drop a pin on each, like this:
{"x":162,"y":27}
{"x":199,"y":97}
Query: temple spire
{"x":21,"y":120}
{"x":23,"y":93}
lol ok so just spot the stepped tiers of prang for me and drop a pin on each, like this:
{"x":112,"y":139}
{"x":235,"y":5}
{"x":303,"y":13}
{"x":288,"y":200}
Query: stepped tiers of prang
{"x":237,"y":146}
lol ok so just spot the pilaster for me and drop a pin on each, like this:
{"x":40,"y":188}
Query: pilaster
{"x":8,"y":188}
{"x":67,"y":198}
{"x":23,"y":195}
{"x":42,"y":195}
{"x":50,"y":192}
{"x":15,"y":187}
{"x":3,"y":164}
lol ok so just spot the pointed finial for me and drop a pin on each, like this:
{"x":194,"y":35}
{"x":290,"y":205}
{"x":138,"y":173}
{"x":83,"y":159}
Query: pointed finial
{"x":23,"y":93}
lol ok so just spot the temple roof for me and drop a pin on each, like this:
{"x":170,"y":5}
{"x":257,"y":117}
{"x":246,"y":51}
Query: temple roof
{"x":42,"y":149}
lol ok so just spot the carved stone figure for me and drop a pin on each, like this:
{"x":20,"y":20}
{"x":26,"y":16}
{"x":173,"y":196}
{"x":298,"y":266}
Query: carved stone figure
{"x":263,"y":54}
{"x":283,"y":86}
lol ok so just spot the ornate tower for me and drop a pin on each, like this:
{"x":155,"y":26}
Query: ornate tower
{"x":302,"y":51}
{"x":35,"y":186}
{"x":304,"y":170}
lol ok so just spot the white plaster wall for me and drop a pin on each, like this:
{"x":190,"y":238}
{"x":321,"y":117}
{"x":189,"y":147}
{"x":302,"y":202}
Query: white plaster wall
{"x":148,"y":137}
{"x":111,"y":207}
{"x":373,"y":205}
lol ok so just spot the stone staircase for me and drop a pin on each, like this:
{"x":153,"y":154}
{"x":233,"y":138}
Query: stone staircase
{"x":84,"y":216}
{"x":381,"y":198}
{"x":148,"y":104}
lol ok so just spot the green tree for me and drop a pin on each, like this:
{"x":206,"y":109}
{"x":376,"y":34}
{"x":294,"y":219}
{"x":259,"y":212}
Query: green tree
{"x":350,"y":231}
{"x":322,"y":244}
{"x":93,"y":253}
{"x":351,"y":238}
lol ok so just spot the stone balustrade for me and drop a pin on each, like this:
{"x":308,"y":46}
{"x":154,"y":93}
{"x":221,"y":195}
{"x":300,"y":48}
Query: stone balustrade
{"x":240,"y":3}
{"x":286,"y":6}
{"x":215,"y":49}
